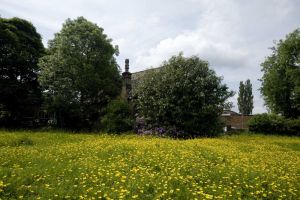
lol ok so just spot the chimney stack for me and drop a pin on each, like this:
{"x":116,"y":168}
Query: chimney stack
{"x":126,"y":65}
{"x":126,"y":90}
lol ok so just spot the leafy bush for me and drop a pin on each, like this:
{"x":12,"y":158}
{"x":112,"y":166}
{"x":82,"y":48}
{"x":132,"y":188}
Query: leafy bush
{"x":184,"y":94}
{"x":266,"y":123}
{"x":293,"y":126}
{"x":118,"y":117}
{"x":274,"y":124}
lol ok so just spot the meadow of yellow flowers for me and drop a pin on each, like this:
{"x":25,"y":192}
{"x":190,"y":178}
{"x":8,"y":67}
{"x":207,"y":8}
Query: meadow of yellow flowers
{"x":87,"y":166}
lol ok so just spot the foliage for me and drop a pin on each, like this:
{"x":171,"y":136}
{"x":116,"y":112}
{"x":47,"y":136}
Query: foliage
{"x":245,"y":98}
{"x":90,"y":166}
{"x":267,"y":123}
{"x":184,"y":94}
{"x":20,"y":48}
{"x":293,"y":126}
{"x":118,"y":117}
{"x":281,"y":82}
{"x":274,"y":124}
{"x":79,"y":74}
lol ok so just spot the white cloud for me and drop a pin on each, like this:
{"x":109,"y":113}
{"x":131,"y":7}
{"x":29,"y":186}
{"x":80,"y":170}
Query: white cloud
{"x":194,"y":43}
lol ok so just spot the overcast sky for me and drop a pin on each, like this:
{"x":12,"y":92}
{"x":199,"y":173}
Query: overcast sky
{"x":233,"y":36}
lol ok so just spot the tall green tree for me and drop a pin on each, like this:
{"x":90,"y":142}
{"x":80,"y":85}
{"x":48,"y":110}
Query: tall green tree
{"x":79,"y":74}
{"x":245,"y":98}
{"x":185,"y":94}
{"x":281,"y":72}
{"x":20,"y":48}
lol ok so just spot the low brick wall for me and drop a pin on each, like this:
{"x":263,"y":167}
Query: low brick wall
{"x":237,"y":121}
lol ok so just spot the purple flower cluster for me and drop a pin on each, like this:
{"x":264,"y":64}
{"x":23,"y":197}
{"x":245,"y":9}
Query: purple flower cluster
{"x":160,"y":130}
{"x":144,"y":128}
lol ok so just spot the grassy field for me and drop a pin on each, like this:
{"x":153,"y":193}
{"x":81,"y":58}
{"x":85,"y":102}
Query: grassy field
{"x":79,"y":166}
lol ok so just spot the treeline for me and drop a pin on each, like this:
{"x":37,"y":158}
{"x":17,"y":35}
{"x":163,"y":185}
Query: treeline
{"x":75,"y":83}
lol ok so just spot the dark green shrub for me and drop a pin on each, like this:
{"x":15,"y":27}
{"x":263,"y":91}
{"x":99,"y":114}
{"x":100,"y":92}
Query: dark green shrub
{"x":274,"y":124}
{"x":118,"y":117}
{"x":266,"y":123}
{"x":293,"y":126}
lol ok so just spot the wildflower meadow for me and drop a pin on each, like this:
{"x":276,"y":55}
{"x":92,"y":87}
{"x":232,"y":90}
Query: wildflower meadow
{"x":89,"y":166}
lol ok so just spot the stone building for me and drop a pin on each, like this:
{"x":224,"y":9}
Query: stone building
{"x":232,"y":120}
{"x":131,"y":79}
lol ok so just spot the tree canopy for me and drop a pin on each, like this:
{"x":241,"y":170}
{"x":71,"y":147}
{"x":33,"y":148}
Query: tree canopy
{"x":245,"y":98}
{"x":79,"y":74}
{"x":280,"y":81}
{"x":183,"y":94}
{"x":20,"y":48}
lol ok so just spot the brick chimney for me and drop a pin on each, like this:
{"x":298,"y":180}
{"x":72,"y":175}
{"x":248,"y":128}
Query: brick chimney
{"x":127,"y":81}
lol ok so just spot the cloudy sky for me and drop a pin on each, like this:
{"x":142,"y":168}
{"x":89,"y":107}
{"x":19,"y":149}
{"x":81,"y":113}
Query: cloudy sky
{"x":233,"y":35}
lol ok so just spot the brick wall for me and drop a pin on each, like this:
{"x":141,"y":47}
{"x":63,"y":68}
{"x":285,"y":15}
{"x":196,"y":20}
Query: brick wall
{"x":237,"y":121}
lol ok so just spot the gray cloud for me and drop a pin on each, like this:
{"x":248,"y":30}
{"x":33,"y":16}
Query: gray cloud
{"x":234,"y":36}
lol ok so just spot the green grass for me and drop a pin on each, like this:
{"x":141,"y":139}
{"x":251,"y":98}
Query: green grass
{"x":90,"y":166}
